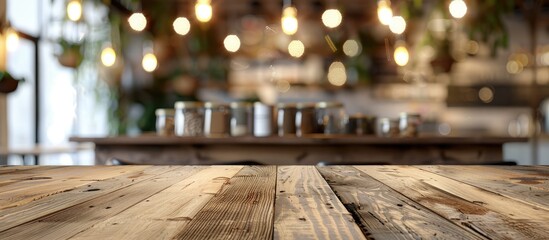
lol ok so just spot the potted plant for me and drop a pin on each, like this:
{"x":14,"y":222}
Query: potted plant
{"x":71,"y":54}
{"x":8,"y":83}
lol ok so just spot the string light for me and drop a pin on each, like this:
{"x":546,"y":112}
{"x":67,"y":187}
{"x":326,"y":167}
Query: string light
{"x":108,"y":56}
{"x":12,"y":39}
{"x":203,"y":10}
{"x":289,"y":20}
{"x":384,"y":12}
{"x":181,"y":26}
{"x":296,"y":48}
{"x":351,"y":48}
{"x":74,"y":10}
{"x":332,"y":18}
{"x":458,"y":8}
{"x":401,"y":55}
{"x":337,"y":75}
{"x":137,"y":21}
{"x":149,"y":62}
{"x":232,"y":43}
{"x":397,"y":25}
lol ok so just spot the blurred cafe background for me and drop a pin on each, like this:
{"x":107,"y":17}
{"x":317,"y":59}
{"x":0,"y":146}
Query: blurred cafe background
{"x":469,"y":68}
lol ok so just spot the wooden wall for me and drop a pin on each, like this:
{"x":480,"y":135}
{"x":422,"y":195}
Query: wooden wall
{"x":3,"y":100}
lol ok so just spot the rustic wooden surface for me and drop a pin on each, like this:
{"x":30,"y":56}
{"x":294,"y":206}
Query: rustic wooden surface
{"x":274,"y":202}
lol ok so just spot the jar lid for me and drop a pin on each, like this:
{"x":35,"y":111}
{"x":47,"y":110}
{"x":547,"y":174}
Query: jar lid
{"x":164,"y":111}
{"x":187,"y":104}
{"x":304,"y":105}
{"x":214,"y":104}
{"x":240,"y":105}
{"x":262,"y":109}
{"x":328,"y":104}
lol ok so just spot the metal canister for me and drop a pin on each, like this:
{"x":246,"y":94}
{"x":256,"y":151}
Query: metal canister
{"x":286,"y":119}
{"x":360,"y":125}
{"x":165,"y":122}
{"x":241,"y":119}
{"x":387,"y":127}
{"x":263,"y":120}
{"x":330,"y":118}
{"x":409,"y":124}
{"x":189,"y":118}
{"x":304,"y":119}
{"x":216,"y":119}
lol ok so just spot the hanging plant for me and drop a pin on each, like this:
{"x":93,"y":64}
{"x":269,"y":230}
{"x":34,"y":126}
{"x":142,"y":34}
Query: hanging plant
{"x":8,"y":83}
{"x":71,"y":54}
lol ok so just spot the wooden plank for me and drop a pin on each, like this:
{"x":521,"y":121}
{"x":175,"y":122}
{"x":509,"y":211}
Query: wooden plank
{"x":521,"y":187}
{"x":5,"y":170}
{"x":242,"y":210}
{"x":385,"y":213}
{"x":70,"y":221}
{"x":18,"y":215}
{"x":22,"y":192}
{"x":487,"y":213}
{"x":180,"y":203}
{"x":307,"y":208}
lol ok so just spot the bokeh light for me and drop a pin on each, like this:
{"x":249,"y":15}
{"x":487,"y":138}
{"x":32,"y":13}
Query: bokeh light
{"x":384,"y":12}
{"x":458,"y":8}
{"x":296,"y":48}
{"x":232,"y":43}
{"x":12,"y":39}
{"x":397,"y":25}
{"x":181,"y":25}
{"x":332,"y":18}
{"x":108,"y":56}
{"x":401,"y":56}
{"x":149,"y":62}
{"x":137,"y":21}
{"x":289,"y":21}
{"x":351,"y":48}
{"x":337,"y":75}
{"x":74,"y":10}
{"x":203,"y":10}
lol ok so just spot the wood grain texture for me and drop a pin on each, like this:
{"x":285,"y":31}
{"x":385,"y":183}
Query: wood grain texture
{"x":486,"y":213}
{"x":385,"y":213}
{"x":242,"y":210}
{"x":307,"y":208}
{"x":72,"y":220}
{"x":11,"y":217}
{"x":164,"y":214}
{"x":527,"y":188}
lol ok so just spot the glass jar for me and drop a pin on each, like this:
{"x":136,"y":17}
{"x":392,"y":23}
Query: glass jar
{"x":330,"y":118}
{"x":304,"y":119}
{"x":165,"y":121}
{"x":360,"y":125}
{"x":216,"y":119}
{"x":189,"y":118}
{"x":387,"y":127}
{"x":263,"y":120}
{"x":409,"y":124}
{"x":241,"y":119}
{"x":286,"y":119}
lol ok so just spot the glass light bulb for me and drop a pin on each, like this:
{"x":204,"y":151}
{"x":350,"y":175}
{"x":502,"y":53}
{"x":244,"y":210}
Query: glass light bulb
{"x":397,"y":25}
{"x":289,"y":21}
{"x":384,"y":12}
{"x":458,"y":8}
{"x":203,"y":10}
{"x":232,"y":43}
{"x":12,"y":39}
{"x":332,"y":18}
{"x":149,"y":62}
{"x":108,"y":56}
{"x":296,"y":48}
{"x":401,"y":56}
{"x":337,"y":75}
{"x":137,"y":21}
{"x":74,"y":10}
{"x":181,"y":25}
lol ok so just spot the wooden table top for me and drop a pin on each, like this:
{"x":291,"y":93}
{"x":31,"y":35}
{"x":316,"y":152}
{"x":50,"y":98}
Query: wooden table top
{"x":280,"y":202}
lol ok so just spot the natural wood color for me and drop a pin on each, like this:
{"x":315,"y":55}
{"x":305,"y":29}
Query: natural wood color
{"x":3,"y":97}
{"x":164,"y":214}
{"x":385,"y":213}
{"x":489,"y":214}
{"x":22,"y":192}
{"x":242,"y":210}
{"x":18,"y":215}
{"x":531,"y":189}
{"x":70,"y":221}
{"x":306,"y":207}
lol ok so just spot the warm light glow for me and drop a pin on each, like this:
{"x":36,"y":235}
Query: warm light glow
{"x":149,"y":62}
{"x":232,"y":43}
{"x":283,"y":86}
{"x":289,"y":21}
{"x":351,"y":48}
{"x":514,"y":67}
{"x":12,"y":39}
{"x":108,"y":56}
{"x":331,"y":18}
{"x":486,"y":94}
{"x":137,"y":21}
{"x":397,"y":25}
{"x":384,"y":12}
{"x":296,"y":48}
{"x":181,"y":25}
{"x":472,"y":47}
{"x":74,"y":10}
{"x":203,"y":10}
{"x":337,"y":74}
{"x":401,"y":56}
{"x":458,"y":8}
